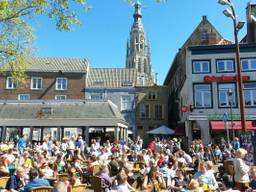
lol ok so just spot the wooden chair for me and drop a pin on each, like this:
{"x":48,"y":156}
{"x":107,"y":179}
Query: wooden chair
{"x":63,"y":177}
{"x":79,"y":188}
{"x":3,"y":182}
{"x":42,"y":189}
{"x":98,"y":184}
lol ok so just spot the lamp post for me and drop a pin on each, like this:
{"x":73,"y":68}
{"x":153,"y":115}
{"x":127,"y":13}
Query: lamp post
{"x":237,"y":26}
{"x":230,"y":101}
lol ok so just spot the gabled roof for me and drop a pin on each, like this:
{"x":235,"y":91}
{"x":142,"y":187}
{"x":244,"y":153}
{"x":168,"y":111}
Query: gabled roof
{"x":58,"y":64}
{"x":195,"y":39}
{"x":46,"y":64}
{"x":111,"y":77}
{"x":204,"y":22}
{"x":56,"y":113}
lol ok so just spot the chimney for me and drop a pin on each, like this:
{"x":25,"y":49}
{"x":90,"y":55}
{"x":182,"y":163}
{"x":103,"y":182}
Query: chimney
{"x":251,"y":23}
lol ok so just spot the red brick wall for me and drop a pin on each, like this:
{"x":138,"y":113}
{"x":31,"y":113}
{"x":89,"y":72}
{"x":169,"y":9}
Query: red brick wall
{"x":76,"y":82}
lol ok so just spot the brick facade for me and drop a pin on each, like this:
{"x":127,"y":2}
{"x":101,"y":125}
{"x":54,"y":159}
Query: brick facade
{"x":75,"y":84}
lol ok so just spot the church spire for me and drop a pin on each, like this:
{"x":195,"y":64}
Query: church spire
{"x":137,"y":16}
{"x":138,"y":52}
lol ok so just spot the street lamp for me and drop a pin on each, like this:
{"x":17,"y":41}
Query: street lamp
{"x":237,"y":26}
{"x":230,"y":101}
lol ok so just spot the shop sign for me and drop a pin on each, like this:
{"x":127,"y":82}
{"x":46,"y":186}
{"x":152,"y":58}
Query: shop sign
{"x":234,"y":117}
{"x":224,"y":78}
{"x":184,"y":109}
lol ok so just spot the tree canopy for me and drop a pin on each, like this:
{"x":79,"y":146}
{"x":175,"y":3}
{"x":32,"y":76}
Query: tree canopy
{"x":16,"y":34}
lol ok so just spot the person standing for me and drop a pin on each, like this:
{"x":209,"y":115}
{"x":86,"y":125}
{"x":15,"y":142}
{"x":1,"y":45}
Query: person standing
{"x":22,"y":144}
{"x":236,"y":143}
{"x":50,"y":146}
{"x":241,"y":170}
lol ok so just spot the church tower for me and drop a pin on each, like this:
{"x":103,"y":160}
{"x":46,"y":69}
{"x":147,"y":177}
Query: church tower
{"x":138,"y":50}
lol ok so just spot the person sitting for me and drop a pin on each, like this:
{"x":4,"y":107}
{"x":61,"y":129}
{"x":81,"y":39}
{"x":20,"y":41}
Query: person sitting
{"x":103,"y":173}
{"x":227,"y":184}
{"x":194,"y":186}
{"x":4,"y":166}
{"x":253,"y":178}
{"x":123,"y":185}
{"x":153,"y":181}
{"x":179,"y":182}
{"x":35,"y":181}
{"x":205,"y":178}
{"x":16,"y":182}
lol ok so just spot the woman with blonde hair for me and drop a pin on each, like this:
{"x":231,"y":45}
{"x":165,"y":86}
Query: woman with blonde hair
{"x":194,"y":186}
{"x":241,"y":170}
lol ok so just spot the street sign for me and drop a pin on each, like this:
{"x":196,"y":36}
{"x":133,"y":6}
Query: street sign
{"x":225,"y":116}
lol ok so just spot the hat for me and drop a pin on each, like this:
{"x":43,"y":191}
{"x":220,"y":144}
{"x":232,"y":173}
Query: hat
{"x":175,"y":139}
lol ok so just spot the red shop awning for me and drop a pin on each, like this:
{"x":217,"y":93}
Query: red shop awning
{"x":219,"y":125}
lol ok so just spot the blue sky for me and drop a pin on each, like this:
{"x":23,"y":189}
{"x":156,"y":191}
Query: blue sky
{"x":105,"y":29}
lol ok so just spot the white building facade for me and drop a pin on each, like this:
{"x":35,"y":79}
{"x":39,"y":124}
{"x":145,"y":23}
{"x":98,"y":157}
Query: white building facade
{"x":211,"y":87}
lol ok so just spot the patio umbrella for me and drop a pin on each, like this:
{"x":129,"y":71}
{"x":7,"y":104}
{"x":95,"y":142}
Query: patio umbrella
{"x":162,"y":130}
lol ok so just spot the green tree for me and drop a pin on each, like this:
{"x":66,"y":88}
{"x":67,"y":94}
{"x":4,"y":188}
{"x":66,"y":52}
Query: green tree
{"x":16,"y":34}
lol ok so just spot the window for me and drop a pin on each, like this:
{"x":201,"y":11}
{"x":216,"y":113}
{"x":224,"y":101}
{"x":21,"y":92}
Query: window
{"x":67,"y":134}
{"x":96,"y":96}
{"x":61,"y":83}
{"x":144,"y":112}
{"x":10,"y":83}
{"x":126,"y":103}
{"x":36,"y":83}
{"x":158,"y":112}
{"x":202,"y":95}
{"x":225,"y":66}
{"x":250,"y":94}
{"x":23,"y":97}
{"x":152,"y":95}
{"x":60,"y":97}
{"x":248,"y":64}
{"x":204,"y":36}
{"x":201,"y":66}
{"x":224,"y":98}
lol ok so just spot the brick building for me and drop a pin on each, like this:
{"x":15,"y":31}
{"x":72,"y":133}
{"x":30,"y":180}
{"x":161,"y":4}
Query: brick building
{"x":48,"y":79}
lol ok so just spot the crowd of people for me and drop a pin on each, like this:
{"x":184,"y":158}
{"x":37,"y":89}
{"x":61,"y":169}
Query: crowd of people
{"x":163,"y":165}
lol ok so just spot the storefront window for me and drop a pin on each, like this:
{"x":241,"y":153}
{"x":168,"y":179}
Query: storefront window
{"x":202,"y":96}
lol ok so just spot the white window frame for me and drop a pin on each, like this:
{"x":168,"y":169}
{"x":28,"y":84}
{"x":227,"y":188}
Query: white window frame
{"x":202,"y":96}
{"x":37,"y":78}
{"x":225,"y":65}
{"x":12,"y":85}
{"x":201,"y":66}
{"x":252,"y":94}
{"x":99,"y":96}
{"x":227,"y":97}
{"x":56,"y":84}
{"x":249,"y":60}
{"x":126,"y":104}
{"x":56,"y":96}
{"x":20,"y":95}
